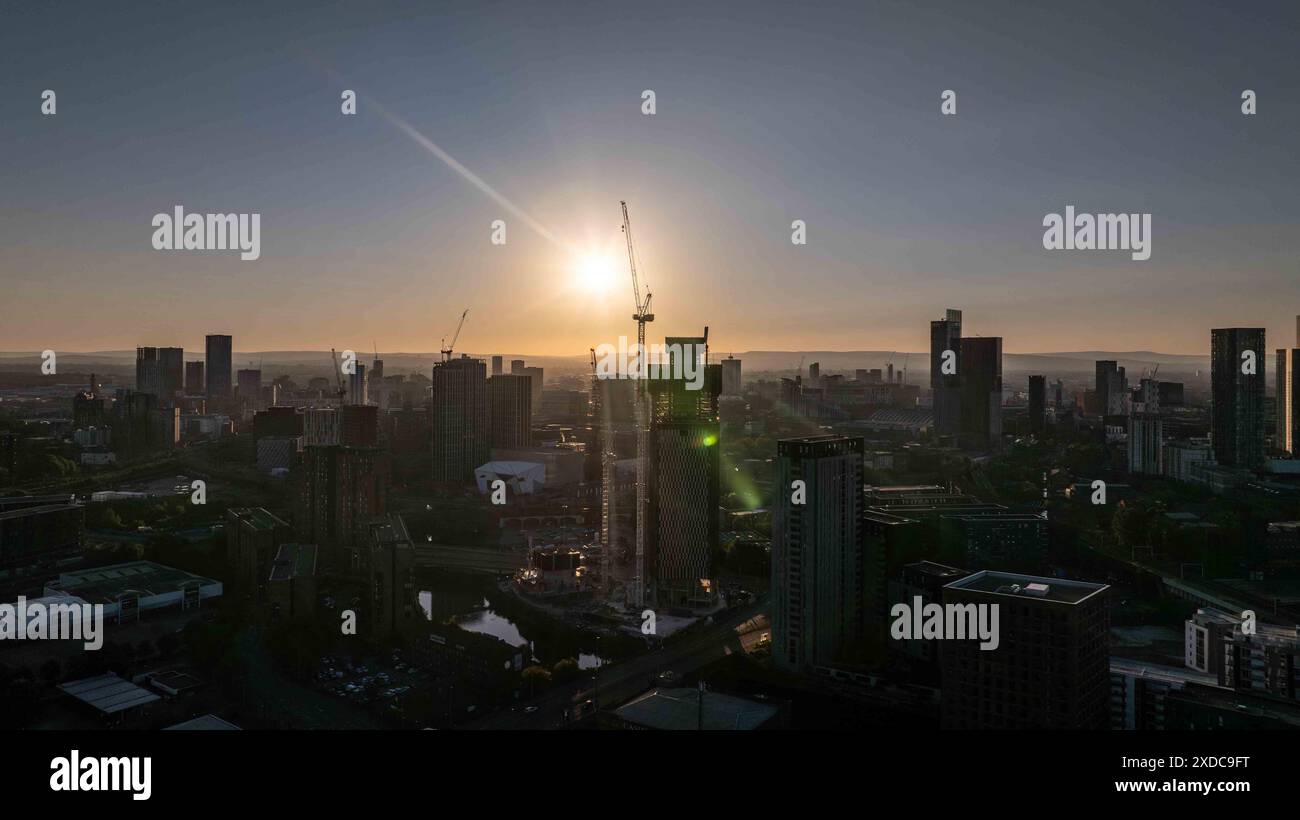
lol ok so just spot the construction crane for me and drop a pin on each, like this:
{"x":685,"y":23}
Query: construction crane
{"x":641,"y":316}
{"x":340,"y":390}
{"x":446,"y":351}
{"x":643,"y":313}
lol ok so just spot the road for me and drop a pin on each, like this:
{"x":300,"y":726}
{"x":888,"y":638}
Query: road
{"x":618,"y":682}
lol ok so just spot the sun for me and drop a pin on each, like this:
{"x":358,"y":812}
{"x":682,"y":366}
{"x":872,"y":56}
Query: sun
{"x":596,"y":272}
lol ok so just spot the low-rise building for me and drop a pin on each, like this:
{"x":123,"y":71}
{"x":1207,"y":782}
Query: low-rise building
{"x":686,"y":709}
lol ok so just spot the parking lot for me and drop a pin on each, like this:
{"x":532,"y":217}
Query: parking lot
{"x":370,"y":680}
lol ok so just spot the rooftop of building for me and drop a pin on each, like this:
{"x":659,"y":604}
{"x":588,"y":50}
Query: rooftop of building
{"x":1154,"y":671}
{"x":103,"y":585}
{"x":108,"y":693}
{"x":990,"y":516}
{"x":36,"y":501}
{"x":936,"y":569}
{"x":258,"y":517}
{"x":1263,"y":631}
{"x":294,"y":561}
{"x":174,"y":681}
{"x":816,"y":439}
{"x":390,"y":531}
{"x":202,"y":722}
{"x":819,"y":445}
{"x":681,"y":709}
{"x":38,"y":509}
{"x":967,"y":509}
{"x":908,"y":489}
{"x":1013,"y":584}
{"x":881,"y":516}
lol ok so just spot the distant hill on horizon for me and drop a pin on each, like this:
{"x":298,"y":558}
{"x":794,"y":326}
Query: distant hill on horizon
{"x":755,"y":361}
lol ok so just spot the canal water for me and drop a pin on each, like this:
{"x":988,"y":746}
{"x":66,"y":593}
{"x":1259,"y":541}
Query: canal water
{"x":448,"y":598}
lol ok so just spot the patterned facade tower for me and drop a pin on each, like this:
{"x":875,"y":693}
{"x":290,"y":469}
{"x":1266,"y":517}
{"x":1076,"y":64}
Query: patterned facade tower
{"x":683,"y":480}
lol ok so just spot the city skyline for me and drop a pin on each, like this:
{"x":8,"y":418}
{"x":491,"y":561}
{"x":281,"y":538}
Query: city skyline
{"x":391,"y":210}
{"x":957,"y":389}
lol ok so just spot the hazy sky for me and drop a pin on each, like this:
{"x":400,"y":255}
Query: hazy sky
{"x":766,"y":113}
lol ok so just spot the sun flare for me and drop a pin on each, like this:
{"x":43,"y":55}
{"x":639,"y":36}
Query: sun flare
{"x":596,"y":272}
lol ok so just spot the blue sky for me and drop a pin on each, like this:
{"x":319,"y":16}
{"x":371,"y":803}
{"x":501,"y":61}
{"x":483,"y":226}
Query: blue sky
{"x":766,"y":113}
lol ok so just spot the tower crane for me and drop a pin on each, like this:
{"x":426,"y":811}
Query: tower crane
{"x":643,"y":313}
{"x":641,"y":317}
{"x":446,"y":351}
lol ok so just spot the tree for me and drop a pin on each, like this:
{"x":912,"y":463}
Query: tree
{"x":1129,"y":524}
{"x":536,"y":678}
{"x":565,"y":670}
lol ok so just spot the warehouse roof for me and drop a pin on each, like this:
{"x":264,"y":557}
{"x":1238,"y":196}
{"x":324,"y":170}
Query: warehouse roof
{"x":103,"y":585}
{"x":108,"y":693}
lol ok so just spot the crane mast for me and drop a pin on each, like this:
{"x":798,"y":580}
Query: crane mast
{"x":446,"y":351}
{"x":643,"y":313}
{"x":641,"y":317}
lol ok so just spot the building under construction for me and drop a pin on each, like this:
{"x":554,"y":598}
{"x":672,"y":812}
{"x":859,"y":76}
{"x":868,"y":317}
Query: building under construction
{"x":682,"y":460}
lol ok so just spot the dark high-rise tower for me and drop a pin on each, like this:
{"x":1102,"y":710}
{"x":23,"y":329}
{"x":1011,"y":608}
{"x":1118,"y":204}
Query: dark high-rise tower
{"x":1037,"y":403}
{"x":459,"y":418}
{"x":1237,"y":395}
{"x":217,"y":356}
{"x":394,"y":599}
{"x":195,"y":385}
{"x":818,"y":567}
{"x":1050,"y":669}
{"x":731,"y":376}
{"x":148,"y":371}
{"x":945,"y":337}
{"x":1288,"y":396}
{"x":1103,"y":368}
{"x":510,"y":403}
{"x":340,"y":489}
{"x":159,"y":371}
{"x":1288,"y":400}
{"x":1111,"y":388}
{"x":171,"y":371}
{"x":981,"y":392}
{"x":682,"y":484}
